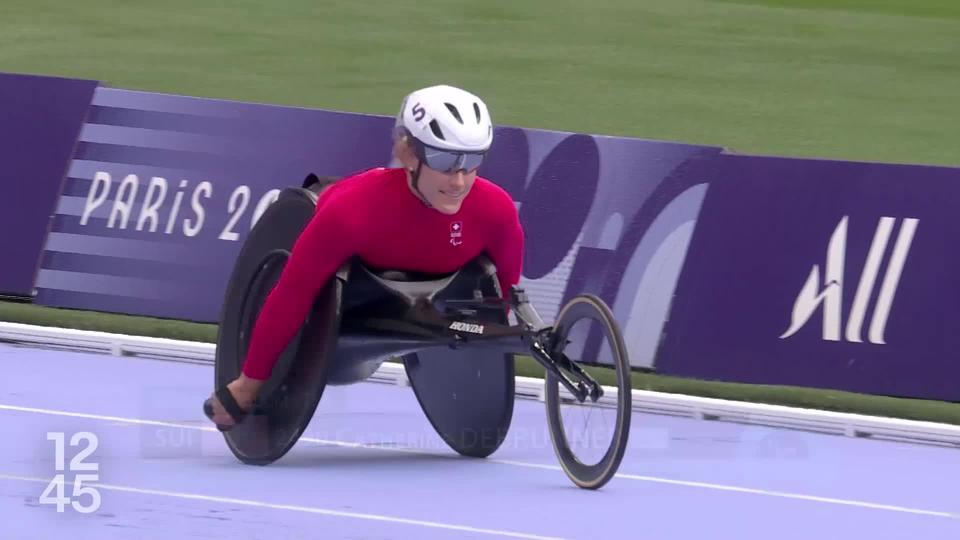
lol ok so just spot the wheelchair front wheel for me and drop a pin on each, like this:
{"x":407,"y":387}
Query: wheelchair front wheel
{"x":587,"y":334}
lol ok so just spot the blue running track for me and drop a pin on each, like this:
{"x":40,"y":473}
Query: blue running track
{"x":370,"y":466}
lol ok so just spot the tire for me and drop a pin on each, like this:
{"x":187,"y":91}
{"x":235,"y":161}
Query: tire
{"x":596,"y":475}
{"x":289,"y":398}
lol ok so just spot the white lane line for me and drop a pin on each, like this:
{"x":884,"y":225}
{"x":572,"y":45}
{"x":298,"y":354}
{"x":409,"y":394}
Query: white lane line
{"x":754,"y":491}
{"x":624,"y":476}
{"x":291,"y":507}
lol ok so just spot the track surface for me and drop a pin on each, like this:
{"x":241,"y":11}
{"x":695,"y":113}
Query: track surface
{"x":370,"y":466}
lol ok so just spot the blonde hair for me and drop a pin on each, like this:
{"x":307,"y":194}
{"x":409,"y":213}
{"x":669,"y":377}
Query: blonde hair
{"x":401,"y":146}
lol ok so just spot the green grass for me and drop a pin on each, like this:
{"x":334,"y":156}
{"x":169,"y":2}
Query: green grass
{"x":933,"y":411}
{"x":107,"y":322}
{"x":847,"y":79}
{"x":928,"y":8}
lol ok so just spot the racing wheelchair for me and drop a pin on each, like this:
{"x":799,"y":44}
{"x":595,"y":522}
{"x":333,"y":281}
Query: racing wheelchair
{"x":451,"y":332}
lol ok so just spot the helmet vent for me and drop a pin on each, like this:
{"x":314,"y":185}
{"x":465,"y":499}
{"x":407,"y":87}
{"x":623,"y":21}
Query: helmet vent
{"x":435,"y":127}
{"x":476,"y":109}
{"x":454,"y":112}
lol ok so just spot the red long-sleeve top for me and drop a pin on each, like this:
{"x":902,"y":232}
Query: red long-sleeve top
{"x":375,"y":216}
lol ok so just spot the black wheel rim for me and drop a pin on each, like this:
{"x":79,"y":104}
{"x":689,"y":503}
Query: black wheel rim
{"x":596,"y":475}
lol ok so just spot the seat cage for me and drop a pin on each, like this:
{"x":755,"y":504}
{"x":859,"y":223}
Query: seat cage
{"x":407,"y":286}
{"x":389,"y":313}
{"x":393,"y":294}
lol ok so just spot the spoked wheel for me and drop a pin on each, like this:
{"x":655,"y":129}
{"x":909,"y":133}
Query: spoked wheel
{"x":589,"y":437}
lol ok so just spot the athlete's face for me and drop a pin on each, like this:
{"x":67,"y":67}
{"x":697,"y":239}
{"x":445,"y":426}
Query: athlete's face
{"x":445,"y":191}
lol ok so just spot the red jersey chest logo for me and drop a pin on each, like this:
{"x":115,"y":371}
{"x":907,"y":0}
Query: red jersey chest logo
{"x":456,"y":233}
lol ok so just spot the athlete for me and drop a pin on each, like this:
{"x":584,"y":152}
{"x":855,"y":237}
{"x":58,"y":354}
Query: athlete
{"x":433,"y":215}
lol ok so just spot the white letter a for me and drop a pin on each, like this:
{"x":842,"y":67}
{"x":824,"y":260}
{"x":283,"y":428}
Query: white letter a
{"x":811,"y":297}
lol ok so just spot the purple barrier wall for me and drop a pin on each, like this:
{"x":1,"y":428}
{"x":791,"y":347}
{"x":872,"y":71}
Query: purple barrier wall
{"x":163,"y":190}
{"x":822,"y":274}
{"x":40,"y":118}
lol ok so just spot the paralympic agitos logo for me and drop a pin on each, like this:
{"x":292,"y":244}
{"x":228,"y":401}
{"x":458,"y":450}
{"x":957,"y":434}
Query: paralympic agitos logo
{"x":173,"y":209}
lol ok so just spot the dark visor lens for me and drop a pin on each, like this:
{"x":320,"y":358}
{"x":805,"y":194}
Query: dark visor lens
{"x":446,"y":161}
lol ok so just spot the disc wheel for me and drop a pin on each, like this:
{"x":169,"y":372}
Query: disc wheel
{"x":287,"y":401}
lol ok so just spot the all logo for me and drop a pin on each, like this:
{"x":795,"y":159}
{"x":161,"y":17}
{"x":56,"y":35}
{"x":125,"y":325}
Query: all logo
{"x":827,"y":291}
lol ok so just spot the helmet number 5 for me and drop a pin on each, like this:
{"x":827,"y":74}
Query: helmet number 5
{"x":418,"y":112}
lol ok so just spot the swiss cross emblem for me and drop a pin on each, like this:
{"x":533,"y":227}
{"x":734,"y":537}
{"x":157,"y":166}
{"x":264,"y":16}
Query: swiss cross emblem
{"x":456,"y":232}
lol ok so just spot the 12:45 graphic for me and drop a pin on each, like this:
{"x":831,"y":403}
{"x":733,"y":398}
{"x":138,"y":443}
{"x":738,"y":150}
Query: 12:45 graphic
{"x":83,"y":498}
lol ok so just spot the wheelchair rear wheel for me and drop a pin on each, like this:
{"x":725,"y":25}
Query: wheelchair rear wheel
{"x":289,"y":399}
{"x":587,"y":334}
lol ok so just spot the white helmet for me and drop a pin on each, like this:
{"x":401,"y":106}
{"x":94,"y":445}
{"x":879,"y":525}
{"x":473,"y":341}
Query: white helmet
{"x":447,"y":118}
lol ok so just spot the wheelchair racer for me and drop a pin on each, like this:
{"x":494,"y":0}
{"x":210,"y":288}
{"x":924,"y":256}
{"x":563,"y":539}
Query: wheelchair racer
{"x":432,"y":215}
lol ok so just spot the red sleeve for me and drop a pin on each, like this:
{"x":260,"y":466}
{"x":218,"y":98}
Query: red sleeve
{"x":318,"y":253}
{"x":506,"y":246}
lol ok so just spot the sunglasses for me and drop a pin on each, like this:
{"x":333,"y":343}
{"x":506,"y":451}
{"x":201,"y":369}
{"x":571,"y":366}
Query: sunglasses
{"x":447,"y":161}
